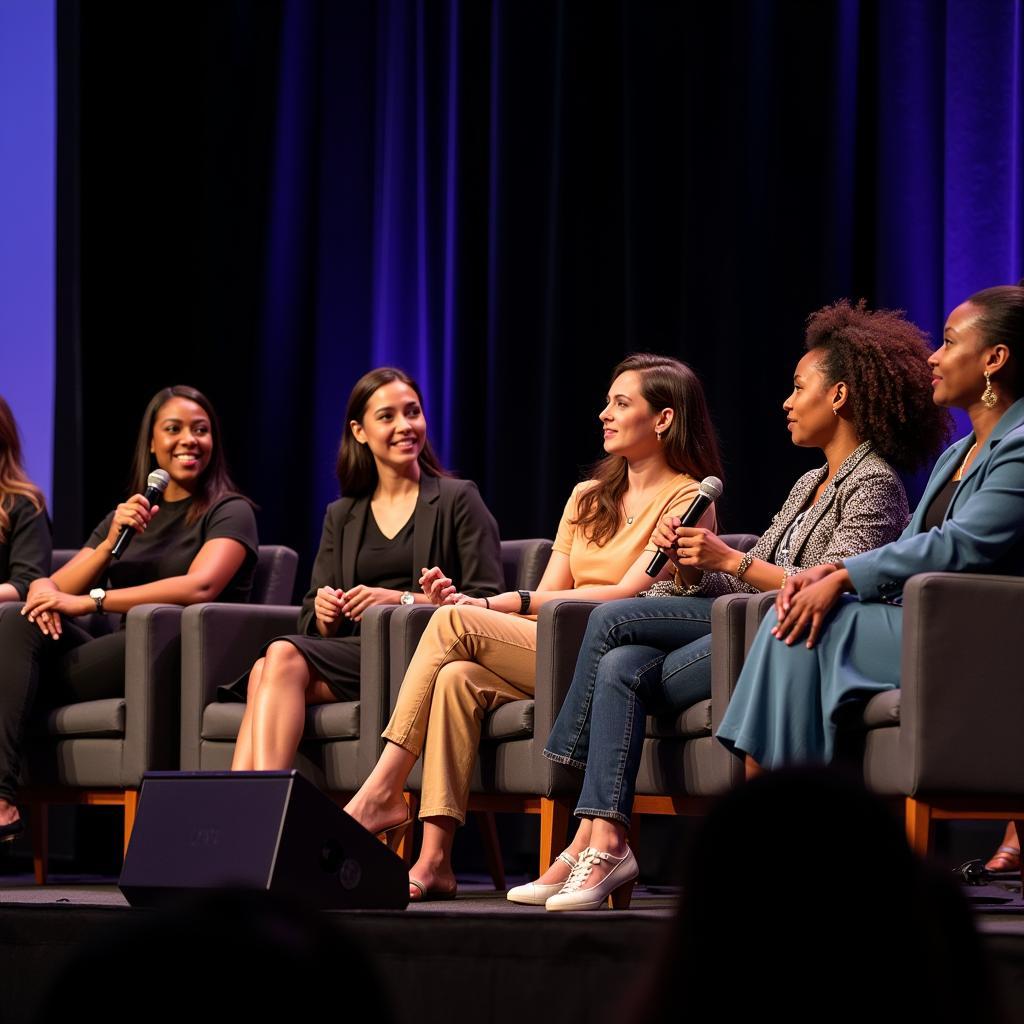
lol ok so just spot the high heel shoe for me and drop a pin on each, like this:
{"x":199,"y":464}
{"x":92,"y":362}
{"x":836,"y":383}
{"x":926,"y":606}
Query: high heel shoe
{"x":12,"y":830}
{"x":533,"y":894}
{"x":1005,"y":859}
{"x":617,"y":884}
{"x":392,"y":835}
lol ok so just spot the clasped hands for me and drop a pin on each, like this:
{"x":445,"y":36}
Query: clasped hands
{"x":806,"y":599}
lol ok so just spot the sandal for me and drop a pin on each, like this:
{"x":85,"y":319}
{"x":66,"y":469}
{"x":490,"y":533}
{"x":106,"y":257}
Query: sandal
{"x":1006,"y":858}
{"x":431,"y":895}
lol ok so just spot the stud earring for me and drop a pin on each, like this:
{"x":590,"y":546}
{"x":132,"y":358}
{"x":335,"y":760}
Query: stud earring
{"x":988,"y":396}
{"x":657,"y":434}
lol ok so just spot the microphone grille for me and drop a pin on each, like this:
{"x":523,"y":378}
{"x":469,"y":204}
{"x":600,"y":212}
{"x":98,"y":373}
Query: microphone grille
{"x":712,"y":487}
{"x":160,"y":478}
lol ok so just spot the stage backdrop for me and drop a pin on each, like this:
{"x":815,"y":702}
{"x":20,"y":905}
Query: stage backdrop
{"x":506,"y":197}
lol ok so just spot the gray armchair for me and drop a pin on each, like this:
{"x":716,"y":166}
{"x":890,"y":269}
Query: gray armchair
{"x":95,"y":752}
{"x":948,"y":742}
{"x":342,"y":741}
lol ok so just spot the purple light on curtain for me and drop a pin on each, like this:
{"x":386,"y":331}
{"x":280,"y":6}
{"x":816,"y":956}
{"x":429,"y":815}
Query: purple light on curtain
{"x":984,"y":88}
{"x":27,"y":213}
{"x":451,"y":183}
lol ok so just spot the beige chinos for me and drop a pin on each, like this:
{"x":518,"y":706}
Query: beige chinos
{"x":469,"y":661}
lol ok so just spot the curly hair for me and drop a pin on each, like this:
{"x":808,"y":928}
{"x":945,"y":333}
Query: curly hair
{"x":883,"y":359}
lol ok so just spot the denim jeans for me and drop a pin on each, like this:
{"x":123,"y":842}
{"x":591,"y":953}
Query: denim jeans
{"x":638,"y":656}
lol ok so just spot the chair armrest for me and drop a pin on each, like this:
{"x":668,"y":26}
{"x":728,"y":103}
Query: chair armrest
{"x":406,"y":626}
{"x":374,"y":683}
{"x":758,"y":606}
{"x":152,"y":674}
{"x":962,"y":703}
{"x":219,"y":643}
{"x":561,"y":625}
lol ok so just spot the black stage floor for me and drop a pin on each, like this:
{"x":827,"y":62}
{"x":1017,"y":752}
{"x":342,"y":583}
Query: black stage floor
{"x":478,"y":957}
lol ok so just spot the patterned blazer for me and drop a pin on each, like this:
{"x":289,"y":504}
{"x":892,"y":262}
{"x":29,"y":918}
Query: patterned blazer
{"x":863,"y":507}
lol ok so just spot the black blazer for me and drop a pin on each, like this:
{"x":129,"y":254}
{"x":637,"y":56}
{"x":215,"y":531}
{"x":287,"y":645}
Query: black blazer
{"x":453,"y":529}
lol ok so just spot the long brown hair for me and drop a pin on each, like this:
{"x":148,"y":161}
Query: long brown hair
{"x":13,"y":481}
{"x":689,"y":444}
{"x":215,"y":483}
{"x":357,"y":471}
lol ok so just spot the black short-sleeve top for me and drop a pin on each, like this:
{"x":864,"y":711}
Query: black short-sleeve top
{"x":26,"y":549}
{"x":170,"y":543}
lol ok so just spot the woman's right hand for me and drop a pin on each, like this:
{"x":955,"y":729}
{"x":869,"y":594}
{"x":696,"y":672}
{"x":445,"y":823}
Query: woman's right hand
{"x":664,"y":538}
{"x":436,"y":585}
{"x":134,"y":513}
{"x":327,"y":607}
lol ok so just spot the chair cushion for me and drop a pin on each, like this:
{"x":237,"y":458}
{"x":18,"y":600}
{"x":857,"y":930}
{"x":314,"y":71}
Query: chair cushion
{"x":89,"y":718}
{"x":509,"y":722}
{"x":323,"y":721}
{"x":694,"y":721}
{"x":883,"y":710}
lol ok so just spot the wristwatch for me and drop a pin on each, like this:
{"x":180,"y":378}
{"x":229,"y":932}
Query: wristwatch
{"x":407,"y":598}
{"x":98,"y":594}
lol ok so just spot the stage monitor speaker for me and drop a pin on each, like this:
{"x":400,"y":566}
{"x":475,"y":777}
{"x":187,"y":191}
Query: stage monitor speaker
{"x":271,"y":831}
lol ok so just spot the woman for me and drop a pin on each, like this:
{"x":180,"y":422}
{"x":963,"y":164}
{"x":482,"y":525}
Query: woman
{"x":482,"y":653}
{"x":198,"y":544}
{"x":970,"y":519}
{"x":861,"y":394}
{"x":400,"y":512}
{"x":24,"y":556}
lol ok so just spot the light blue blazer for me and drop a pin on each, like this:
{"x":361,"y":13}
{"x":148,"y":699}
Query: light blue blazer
{"x":983,"y":530}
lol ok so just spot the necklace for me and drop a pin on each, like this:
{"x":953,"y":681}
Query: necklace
{"x":630,"y":519}
{"x":958,"y":475}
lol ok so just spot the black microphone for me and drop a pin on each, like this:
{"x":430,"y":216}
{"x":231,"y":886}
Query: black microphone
{"x":710,"y":490}
{"x":156,"y":484}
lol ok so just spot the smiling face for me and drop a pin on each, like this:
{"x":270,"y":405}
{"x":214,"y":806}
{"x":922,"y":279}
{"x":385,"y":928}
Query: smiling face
{"x":958,"y":364}
{"x":630,"y":424}
{"x":182,"y":443}
{"x":809,"y":408}
{"x":393,"y":427}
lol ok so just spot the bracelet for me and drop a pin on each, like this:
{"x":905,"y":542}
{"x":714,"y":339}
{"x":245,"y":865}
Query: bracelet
{"x":524,"y":602}
{"x":744,"y":565}
{"x":487,"y":604}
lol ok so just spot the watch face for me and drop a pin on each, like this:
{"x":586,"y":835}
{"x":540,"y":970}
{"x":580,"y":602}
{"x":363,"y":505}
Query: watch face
{"x":407,"y":598}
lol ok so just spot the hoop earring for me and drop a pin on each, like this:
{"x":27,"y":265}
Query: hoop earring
{"x":988,"y":396}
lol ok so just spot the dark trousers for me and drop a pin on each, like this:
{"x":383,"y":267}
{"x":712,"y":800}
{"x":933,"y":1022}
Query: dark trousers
{"x":75,"y":667}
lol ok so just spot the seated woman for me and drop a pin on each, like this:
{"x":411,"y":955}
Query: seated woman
{"x":400,"y":512}
{"x":25,"y":552}
{"x":861,"y":394}
{"x":481,"y":654}
{"x":198,"y":544}
{"x":970,"y":519}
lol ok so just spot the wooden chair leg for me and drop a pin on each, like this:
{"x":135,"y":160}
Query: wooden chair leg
{"x":492,"y":848}
{"x":919,"y":826}
{"x":39,"y":821}
{"x":554,"y":825}
{"x":405,"y":844}
{"x":131,"y":806}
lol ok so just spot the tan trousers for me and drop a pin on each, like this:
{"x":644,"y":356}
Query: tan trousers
{"x":469,"y":660}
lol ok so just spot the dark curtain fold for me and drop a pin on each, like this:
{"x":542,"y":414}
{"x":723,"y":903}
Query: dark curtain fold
{"x":506,"y":197}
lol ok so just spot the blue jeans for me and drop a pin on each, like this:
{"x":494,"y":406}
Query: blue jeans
{"x":639,"y":656}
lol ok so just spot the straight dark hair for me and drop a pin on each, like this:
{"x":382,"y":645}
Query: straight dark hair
{"x":1002,"y":320}
{"x":13,"y":481}
{"x":689,"y":444}
{"x":215,"y":483}
{"x":356,"y":468}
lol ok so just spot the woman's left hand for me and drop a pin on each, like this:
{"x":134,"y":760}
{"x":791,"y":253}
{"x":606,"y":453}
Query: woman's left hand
{"x":462,"y":599}
{"x":355,"y":601}
{"x":46,"y":606}
{"x":808,"y":608}
{"x":703,"y":549}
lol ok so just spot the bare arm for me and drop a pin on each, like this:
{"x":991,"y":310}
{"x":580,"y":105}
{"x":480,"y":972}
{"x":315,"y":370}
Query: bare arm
{"x":8,"y":592}
{"x":210,"y":572}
